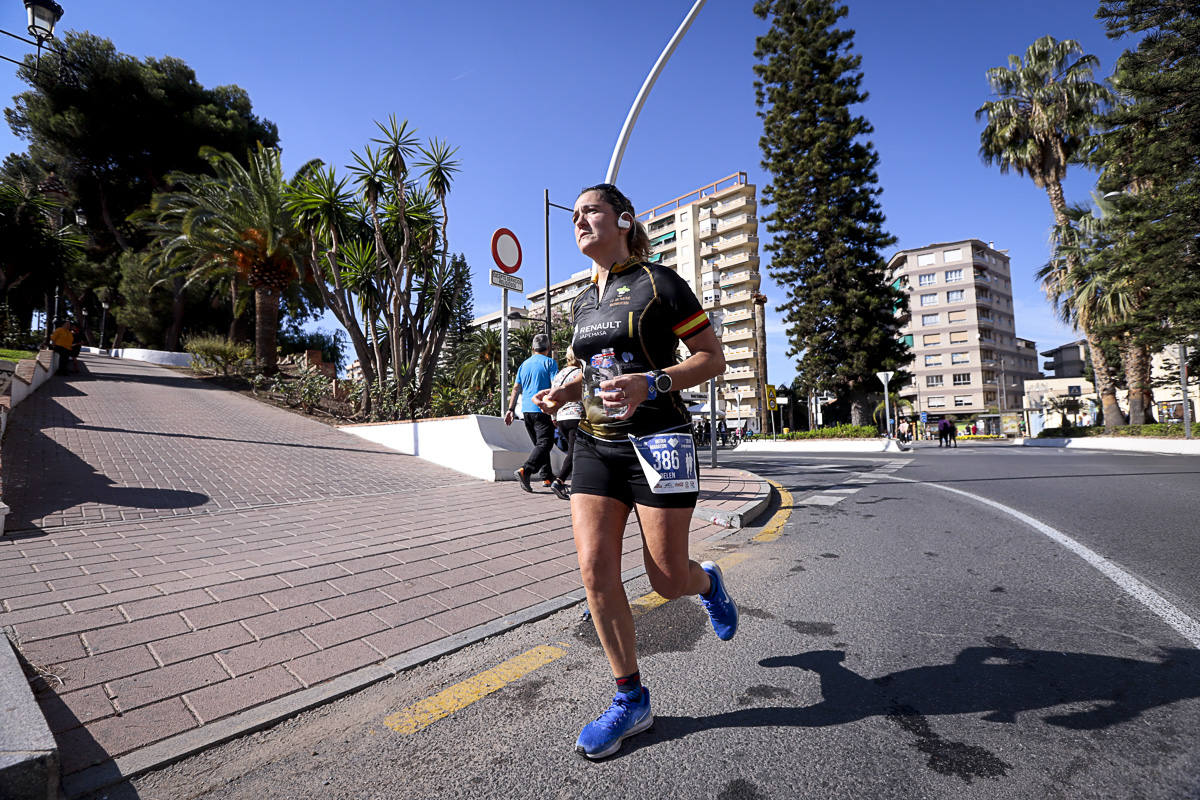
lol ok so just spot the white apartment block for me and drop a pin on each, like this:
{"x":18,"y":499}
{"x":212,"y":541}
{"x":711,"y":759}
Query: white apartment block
{"x":967,"y":359}
{"x":710,"y":237}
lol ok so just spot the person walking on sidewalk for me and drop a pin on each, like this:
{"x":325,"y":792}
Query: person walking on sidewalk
{"x":634,"y":449}
{"x":566,"y":419}
{"x":533,"y":376}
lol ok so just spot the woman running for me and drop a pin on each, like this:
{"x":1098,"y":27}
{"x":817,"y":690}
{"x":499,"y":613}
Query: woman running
{"x":634,"y":449}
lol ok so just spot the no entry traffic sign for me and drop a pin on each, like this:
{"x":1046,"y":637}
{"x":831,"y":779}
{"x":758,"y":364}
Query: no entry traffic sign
{"x":506,"y":250}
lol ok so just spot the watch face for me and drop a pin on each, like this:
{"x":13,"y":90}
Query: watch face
{"x":662,"y":382}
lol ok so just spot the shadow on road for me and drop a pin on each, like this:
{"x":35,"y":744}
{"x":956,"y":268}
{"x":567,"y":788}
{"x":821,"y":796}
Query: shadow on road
{"x":999,"y":682}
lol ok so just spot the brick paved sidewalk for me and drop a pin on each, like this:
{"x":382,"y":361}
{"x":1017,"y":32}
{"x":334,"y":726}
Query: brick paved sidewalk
{"x":179,"y":555}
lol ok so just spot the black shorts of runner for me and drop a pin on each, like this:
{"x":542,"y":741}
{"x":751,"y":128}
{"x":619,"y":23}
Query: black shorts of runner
{"x":612,"y":469}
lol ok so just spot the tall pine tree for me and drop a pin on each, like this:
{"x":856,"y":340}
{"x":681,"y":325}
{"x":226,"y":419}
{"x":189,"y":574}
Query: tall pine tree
{"x":1148,"y":154}
{"x":840,"y":311}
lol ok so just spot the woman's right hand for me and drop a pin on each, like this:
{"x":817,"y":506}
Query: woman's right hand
{"x":548,"y":400}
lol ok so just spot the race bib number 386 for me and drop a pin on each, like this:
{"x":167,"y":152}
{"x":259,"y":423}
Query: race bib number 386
{"x":669,"y":461}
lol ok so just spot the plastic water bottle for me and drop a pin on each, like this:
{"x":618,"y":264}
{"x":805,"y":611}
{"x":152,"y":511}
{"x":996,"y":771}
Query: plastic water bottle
{"x":606,"y":367}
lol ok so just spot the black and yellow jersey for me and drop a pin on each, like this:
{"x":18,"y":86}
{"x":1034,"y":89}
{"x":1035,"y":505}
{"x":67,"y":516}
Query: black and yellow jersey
{"x":644,"y":314}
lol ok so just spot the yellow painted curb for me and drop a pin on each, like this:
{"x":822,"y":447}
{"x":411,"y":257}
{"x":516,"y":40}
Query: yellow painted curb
{"x":459,"y":696}
{"x":774,"y":528}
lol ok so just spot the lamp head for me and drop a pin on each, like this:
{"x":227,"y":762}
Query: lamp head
{"x":43,"y":16}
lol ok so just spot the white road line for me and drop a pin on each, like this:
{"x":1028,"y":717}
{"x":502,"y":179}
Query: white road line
{"x":843,"y":491}
{"x":822,"y":500}
{"x":1165,"y":609}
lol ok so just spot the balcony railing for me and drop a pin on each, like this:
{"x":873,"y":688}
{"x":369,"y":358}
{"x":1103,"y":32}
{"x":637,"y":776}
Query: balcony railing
{"x":738,"y":335}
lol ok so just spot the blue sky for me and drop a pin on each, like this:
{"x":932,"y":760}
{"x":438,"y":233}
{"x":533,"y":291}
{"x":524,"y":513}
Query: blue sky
{"x":534,"y":95}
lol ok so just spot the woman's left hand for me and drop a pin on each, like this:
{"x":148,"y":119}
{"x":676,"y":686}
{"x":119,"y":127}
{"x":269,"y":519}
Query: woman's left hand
{"x":624,"y":390}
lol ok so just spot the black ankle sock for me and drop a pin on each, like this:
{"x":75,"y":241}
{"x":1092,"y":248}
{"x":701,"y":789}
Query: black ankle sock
{"x":630,"y":684}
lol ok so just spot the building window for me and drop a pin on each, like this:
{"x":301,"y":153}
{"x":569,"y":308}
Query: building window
{"x":925,"y":259}
{"x":933,"y":361}
{"x":907,"y":339}
{"x":954,"y":296}
{"x":929,"y":299}
{"x":989,"y":376}
{"x":949,"y":256}
{"x":953,"y":275}
{"x":958,"y":337}
{"x":961,"y":400}
{"x":929,"y":319}
{"x":928,"y":279}
{"x":956,"y":316}
{"x":936,"y":402}
{"x":931,"y":338}
{"x":962,"y":379}
{"x":959,"y":358}
{"x":989,"y":397}
{"x":933,"y":380}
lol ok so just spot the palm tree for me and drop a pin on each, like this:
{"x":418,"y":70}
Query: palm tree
{"x":1091,"y":293}
{"x":237,"y":217}
{"x":1047,"y":105}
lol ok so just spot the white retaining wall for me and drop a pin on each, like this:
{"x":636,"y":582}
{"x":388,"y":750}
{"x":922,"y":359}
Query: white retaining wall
{"x":154,"y":356}
{"x":480,"y":446}
{"x":1136,"y":444}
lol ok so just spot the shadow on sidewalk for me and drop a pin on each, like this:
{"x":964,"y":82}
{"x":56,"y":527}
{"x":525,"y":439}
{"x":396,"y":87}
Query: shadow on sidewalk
{"x":48,"y":478}
{"x":999,"y":681}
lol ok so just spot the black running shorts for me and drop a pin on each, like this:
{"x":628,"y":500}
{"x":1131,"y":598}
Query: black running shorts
{"x":612,"y":469}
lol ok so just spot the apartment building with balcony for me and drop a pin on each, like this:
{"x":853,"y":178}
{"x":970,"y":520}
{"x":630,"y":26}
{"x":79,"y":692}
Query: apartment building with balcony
{"x":968,"y":361}
{"x":710,"y":237}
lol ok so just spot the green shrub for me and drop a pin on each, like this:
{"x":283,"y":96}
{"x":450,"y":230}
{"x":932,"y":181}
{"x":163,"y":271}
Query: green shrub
{"x":213,"y":353}
{"x":835,"y":432}
{"x":1159,"y":430}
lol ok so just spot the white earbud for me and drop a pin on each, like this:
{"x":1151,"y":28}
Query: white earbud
{"x":625,"y":222}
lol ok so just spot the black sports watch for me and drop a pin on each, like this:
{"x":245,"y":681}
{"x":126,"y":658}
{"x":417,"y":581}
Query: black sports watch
{"x":658,"y":383}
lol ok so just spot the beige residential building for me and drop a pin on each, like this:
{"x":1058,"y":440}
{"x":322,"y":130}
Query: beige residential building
{"x":967,"y":359}
{"x":710,"y":237}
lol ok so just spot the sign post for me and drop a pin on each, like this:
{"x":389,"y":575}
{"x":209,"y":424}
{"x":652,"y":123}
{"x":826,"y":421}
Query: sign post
{"x":506,"y":252}
{"x":772,"y":405}
{"x":884,"y":377}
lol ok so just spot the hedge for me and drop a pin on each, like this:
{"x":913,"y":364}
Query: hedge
{"x":836,"y":432}
{"x":1157,"y":430}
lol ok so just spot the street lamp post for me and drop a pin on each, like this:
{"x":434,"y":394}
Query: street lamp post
{"x":1183,"y":389}
{"x":103,"y":319}
{"x":548,"y":204}
{"x":614,"y":164}
{"x":715,"y":318}
{"x":887,"y":406}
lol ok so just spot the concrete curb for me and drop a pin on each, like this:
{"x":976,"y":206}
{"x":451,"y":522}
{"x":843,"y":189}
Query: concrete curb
{"x":28,"y":752}
{"x":739,"y":517}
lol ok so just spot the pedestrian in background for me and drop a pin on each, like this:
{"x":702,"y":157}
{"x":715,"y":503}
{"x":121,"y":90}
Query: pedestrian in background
{"x":943,"y":431}
{"x":566,"y":419}
{"x":62,"y":341}
{"x":952,"y":432}
{"x":533,"y":376}
{"x":634,"y":450}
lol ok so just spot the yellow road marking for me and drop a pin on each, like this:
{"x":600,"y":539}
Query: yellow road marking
{"x":422,"y":714}
{"x":774,"y":528}
{"x":647,"y":602}
{"x":455,"y":698}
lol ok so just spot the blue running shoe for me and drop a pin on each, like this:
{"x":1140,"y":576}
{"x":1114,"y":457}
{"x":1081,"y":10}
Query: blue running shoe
{"x":623,"y":719}
{"x":720,"y":608}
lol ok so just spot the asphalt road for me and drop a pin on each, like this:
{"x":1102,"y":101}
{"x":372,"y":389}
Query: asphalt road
{"x":899,"y":640}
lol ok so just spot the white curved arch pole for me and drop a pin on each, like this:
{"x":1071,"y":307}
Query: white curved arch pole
{"x":614,"y":165}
